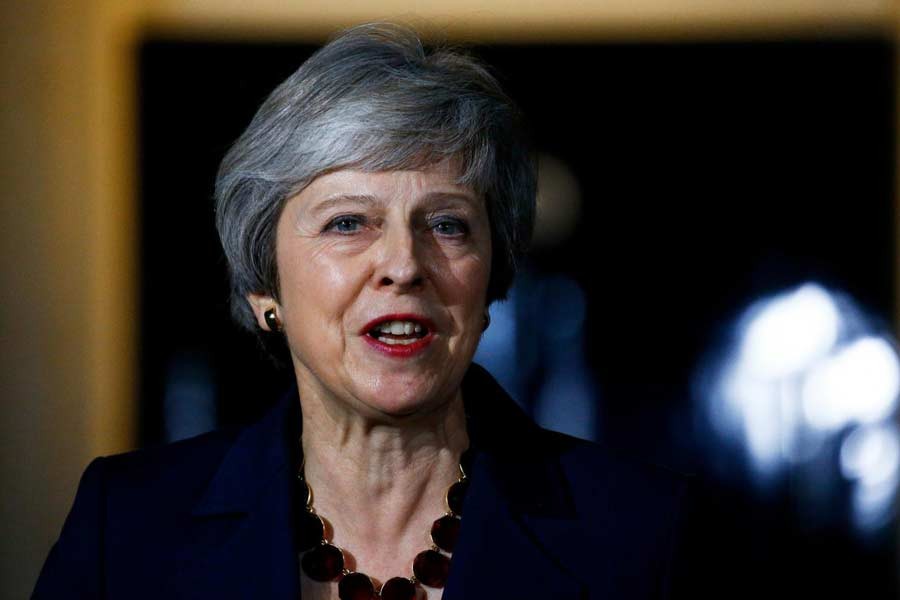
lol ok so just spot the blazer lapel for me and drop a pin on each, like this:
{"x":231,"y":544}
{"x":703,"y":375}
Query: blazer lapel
{"x":499,"y":553}
{"x":239,"y":540}
{"x":518,"y":513}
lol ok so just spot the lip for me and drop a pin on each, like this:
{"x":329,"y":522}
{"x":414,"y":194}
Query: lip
{"x":398,"y":350}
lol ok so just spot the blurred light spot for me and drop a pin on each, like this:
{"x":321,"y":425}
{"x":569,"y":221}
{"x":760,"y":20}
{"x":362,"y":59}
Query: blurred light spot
{"x":870,"y":456}
{"x":189,"y":401}
{"x":761,"y":422}
{"x":497,"y":350}
{"x":543,"y":367}
{"x":567,"y":403}
{"x":778,"y":339}
{"x":859,"y":384}
{"x":805,"y":370}
{"x":564,"y":306}
{"x":789,"y":332}
{"x":558,"y":201}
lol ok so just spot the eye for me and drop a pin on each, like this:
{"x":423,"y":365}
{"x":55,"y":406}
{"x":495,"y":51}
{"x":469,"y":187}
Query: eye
{"x":345,"y":224}
{"x":450,"y":227}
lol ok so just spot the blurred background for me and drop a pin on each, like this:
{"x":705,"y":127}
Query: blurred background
{"x":713,"y":285}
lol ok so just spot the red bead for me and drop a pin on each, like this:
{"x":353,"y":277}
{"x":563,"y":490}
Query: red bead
{"x":456,"y":495}
{"x":356,"y":586}
{"x":431,"y":568}
{"x":308,"y":531}
{"x":323,"y":563}
{"x":445,"y":532}
{"x":398,"y":588}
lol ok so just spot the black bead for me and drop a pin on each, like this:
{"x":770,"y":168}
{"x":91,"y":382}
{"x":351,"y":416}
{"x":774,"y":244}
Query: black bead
{"x":445,"y":532}
{"x":431,"y":568}
{"x":356,"y":586}
{"x":323,"y":563}
{"x":398,"y":588}
{"x":456,"y":495}
{"x":309,"y":531}
{"x":301,"y":493}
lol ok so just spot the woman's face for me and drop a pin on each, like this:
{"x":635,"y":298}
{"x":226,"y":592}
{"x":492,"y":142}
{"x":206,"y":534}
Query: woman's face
{"x":383,"y":281}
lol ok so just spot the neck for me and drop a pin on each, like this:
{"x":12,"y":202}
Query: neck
{"x":380,"y":483}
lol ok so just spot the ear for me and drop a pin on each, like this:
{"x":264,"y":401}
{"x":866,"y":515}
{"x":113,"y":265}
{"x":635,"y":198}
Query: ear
{"x":260,"y":303}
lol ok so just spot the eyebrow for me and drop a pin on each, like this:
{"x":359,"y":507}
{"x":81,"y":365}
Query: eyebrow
{"x":328,"y":203}
{"x":370,"y":200}
{"x":465,"y":197}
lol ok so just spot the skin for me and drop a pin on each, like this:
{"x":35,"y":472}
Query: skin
{"x":382,"y":435}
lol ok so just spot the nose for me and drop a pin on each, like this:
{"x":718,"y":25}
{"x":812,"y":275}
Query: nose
{"x":399,"y":264}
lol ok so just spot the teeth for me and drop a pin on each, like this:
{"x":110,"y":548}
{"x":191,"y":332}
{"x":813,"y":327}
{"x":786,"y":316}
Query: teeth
{"x":399,"y":327}
{"x":395,"y":342}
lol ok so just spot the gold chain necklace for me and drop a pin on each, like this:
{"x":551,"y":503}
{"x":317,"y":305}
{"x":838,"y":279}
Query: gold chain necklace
{"x":323,"y":561}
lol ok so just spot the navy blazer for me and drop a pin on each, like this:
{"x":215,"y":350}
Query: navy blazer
{"x":546,"y":516}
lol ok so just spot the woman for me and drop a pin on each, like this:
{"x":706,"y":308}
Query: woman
{"x":371,"y":212}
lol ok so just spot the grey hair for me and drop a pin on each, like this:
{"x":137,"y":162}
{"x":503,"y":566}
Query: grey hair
{"x":375,"y":99}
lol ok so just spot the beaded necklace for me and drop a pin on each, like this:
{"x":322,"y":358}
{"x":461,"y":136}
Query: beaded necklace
{"x":323,"y":561}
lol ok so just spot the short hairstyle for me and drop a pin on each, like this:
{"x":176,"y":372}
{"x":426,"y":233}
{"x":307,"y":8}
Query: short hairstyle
{"x":375,"y":99}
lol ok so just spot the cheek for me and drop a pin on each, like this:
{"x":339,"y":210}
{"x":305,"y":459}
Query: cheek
{"x":314,"y":282}
{"x":464,"y":270}
{"x":479,"y":269}
{"x":465,"y":286}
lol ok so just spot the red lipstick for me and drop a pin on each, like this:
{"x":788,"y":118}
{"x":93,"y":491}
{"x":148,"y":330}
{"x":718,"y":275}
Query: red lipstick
{"x":399,"y":350}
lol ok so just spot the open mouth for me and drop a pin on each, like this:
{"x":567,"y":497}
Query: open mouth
{"x":399,"y":332}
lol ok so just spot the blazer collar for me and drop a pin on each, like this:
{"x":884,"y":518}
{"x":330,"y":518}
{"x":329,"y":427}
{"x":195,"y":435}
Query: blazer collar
{"x":519,"y":513}
{"x":262,"y":452}
{"x":238,"y":542}
{"x":517,"y":504}
{"x":526,"y":473}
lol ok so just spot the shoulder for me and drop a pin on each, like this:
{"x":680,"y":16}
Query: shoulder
{"x":148,"y":492}
{"x":648,"y":509}
{"x":639,"y":508}
{"x":594,"y":509}
{"x":185,"y":465}
{"x":182,"y":467}
{"x":598,"y":468}
{"x":591,"y":473}
{"x":613,"y":491}
{"x":122,"y":495}
{"x":623,"y":484}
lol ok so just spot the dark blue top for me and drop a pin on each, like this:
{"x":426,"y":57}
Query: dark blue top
{"x":546,"y":516}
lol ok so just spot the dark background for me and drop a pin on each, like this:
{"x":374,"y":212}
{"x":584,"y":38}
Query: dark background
{"x":711,"y":173}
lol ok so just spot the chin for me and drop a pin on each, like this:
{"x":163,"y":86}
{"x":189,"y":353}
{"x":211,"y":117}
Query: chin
{"x":401,"y":400}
